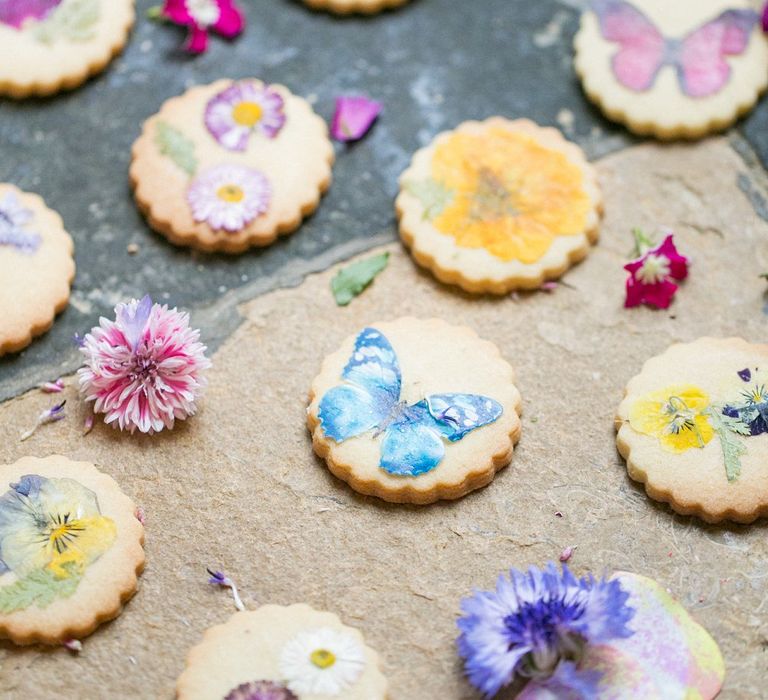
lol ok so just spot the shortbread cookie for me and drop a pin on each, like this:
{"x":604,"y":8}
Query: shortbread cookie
{"x":415,"y":411}
{"x":36,"y":267}
{"x":693,"y":428}
{"x":499,"y":205}
{"x":71,"y":548}
{"x":348,"y":7}
{"x":282,"y":653}
{"x":231,"y":165}
{"x":52,"y":45}
{"x":672,"y":69}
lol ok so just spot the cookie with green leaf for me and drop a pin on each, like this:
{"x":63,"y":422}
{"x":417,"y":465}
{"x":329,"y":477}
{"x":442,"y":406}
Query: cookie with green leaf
{"x":52,"y":45}
{"x":231,"y":165}
{"x":693,"y":428}
{"x":71,"y":549}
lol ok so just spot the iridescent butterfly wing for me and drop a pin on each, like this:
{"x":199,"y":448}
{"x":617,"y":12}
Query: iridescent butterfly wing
{"x":371,"y":393}
{"x":414,"y":445}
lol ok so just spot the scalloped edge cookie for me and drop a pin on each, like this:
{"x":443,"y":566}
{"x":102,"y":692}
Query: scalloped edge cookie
{"x":476,"y":270}
{"x":48,"y":79}
{"x":51,"y":293}
{"x":742,"y":501}
{"x":617,"y":102}
{"x":170,"y":216}
{"x":496,"y":441}
{"x":350,"y":7}
{"x":108,"y":583}
{"x":206,"y":659}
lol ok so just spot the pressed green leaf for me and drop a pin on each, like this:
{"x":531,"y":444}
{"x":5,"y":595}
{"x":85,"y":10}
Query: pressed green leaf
{"x":433,"y":195}
{"x":176,"y":146}
{"x":40,"y":588}
{"x":352,"y":280}
{"x":74,"y":20}
{"x":728,"y":429}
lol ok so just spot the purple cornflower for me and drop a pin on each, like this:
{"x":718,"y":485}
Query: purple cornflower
{"x":536,"y":625}
{"x":50,"y":415}
{"x":219,"y":578}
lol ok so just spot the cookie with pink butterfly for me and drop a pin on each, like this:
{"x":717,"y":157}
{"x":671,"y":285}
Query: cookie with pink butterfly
{"x":672,"y":69}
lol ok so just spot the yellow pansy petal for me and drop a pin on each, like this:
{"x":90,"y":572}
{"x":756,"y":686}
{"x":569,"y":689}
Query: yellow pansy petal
{"x":689,"y":438}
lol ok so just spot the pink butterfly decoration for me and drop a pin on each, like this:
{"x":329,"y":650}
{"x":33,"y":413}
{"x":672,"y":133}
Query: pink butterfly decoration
{"x":699,"y":58}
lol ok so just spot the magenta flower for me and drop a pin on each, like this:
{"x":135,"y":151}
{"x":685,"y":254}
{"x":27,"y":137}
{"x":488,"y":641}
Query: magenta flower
{"x":765,"y":18}
{"x":650,"y":276}
{"x":353,"y":117}
{"x":143,"y":370}
{"x":201,"y":16}
{"x":245,"y":107}
{"x":15,"y":12}
{"x":229,"y":197}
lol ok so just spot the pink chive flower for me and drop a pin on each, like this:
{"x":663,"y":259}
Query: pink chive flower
{"x":651,"y":274}
{"x":202,"y":16}
{"x":145,"y":369}
{"x":354,"y":117}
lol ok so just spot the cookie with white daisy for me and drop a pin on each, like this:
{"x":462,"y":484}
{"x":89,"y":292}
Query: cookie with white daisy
{"x":693,"y":428}
{"x":231,"y":165}
{"x":282,"y":653}
{"x":414,"y":411}
{"x":36,"y":267}
{"x":52,"y":45}
{"x":71,"y":549}
{"x":348,"y":7}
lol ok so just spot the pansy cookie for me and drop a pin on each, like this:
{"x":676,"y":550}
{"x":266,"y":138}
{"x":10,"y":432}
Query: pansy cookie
{"x":348,"y":7}
{"x":36,"y":267}
{"x":693,"y":428}
{"x":71,"y":549}
{"x":231,"y":165}
{"x":672,"y":69}
{"x":499,"y":205}
{"x":51,"y":45}
{"x":414,"y":411}
{"x":282,"y":653}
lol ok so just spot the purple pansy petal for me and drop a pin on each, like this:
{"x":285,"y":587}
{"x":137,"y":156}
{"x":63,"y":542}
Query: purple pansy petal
{"x":353,"y":117}
{"x":15,"y":12}
{"x":745,"y":375}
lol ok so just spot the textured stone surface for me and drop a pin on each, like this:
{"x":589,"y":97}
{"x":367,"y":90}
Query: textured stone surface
{"x":239,"y":489}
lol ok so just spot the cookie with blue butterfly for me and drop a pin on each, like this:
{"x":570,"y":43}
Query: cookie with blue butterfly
{"x":414,"y":411}
{"x":672,"y":69}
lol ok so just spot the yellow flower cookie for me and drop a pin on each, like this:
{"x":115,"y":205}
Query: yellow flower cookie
{"x":499,"y":205}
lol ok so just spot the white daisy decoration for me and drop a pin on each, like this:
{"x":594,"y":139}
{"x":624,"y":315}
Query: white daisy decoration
{"x":229,"y":197}
{"x":322,"y":661}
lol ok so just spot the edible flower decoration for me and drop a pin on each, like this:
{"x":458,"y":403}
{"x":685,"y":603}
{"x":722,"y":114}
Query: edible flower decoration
{"x":764,"y":18}
{"x":354,"y":117}
{"x":50,"y":531}
{"x":15,"y":13}
{"x":14,"y":221}
{"x":545,"y":634}
{"x":322,"y":661}
{"x":260,"y":690}
{"x":652,"y":273}
{"x":145,"y":369}
{"x":201,"y":17}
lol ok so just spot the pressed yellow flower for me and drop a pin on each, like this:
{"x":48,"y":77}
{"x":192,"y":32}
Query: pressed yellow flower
{"x":675,"y":416}
{"x":510,"y":195}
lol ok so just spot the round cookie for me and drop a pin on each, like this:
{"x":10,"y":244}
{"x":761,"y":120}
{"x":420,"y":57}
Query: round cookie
{"x":36,"y":267}
{"x":286,"y":653}
{"x":415,"y":411}
{"x":499,"y":205}
{"x":693,"y":428}
{"x":672,"y":69}
{"x":348,"y":7}
{"x":231,"y":165}
{"x":52,"y":45}
{"x":71,"y":548}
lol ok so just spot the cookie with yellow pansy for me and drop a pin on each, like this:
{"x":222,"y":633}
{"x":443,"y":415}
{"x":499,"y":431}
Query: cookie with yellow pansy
{"x":71,"y":548}
{"x":282,"y":653}
{"x":499,"y":205}
{"x":693,"y":428}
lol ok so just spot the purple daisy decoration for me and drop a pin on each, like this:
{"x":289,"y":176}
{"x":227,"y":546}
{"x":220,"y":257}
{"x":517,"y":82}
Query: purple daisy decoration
{"x":261,"y":690}
{"x":245,"y":107}
{"x":537,"y":626}
{"x":15,"y":12}
{"x":229,"y":197}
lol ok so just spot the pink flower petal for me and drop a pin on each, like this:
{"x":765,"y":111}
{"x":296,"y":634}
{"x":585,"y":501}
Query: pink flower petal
{"x":197,"y":41}
{"x":231,"y":20}
{"x":177,"y":12}
{"x":353,"y":117}
{"x":678,"y":263}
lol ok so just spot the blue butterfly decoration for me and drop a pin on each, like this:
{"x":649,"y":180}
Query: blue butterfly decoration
{"x":413,"y":434}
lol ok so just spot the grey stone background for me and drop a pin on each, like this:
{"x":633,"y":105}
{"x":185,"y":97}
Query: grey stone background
{"x":433,"y":63}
